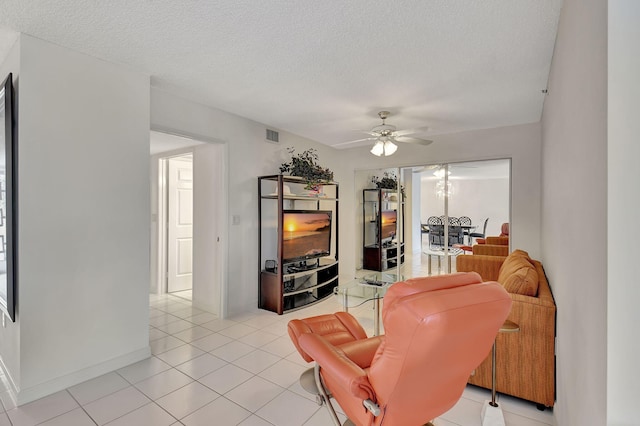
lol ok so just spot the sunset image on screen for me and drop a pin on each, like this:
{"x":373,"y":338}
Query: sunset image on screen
{"x":388,"y":219}
{"x":305,"y":234}
{"x":301,"y":224}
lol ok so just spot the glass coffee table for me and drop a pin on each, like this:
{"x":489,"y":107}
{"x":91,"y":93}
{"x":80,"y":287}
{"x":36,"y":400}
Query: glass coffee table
{"x":371,"y":287}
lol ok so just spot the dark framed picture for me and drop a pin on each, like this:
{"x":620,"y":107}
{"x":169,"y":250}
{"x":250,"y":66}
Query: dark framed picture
{"x":7,"y":199}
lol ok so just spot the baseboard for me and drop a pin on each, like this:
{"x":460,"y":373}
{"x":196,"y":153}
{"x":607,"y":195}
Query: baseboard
{"x":205,"y":307}
{"x":8,"y":382}
{"x":24,"y":396}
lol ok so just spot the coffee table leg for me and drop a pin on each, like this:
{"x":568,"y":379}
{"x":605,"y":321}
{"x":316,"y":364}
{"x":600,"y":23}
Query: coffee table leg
{"x":376,"y":316}
{"x":429,"y":267}
{"x":493,"y":375}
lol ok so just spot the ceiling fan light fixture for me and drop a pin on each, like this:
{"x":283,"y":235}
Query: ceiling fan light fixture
{"x":378,"y":148}
{"x":390,"y":148}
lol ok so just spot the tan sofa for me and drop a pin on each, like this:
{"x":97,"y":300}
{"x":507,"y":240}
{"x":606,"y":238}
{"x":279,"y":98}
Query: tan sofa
{"x":526,"y":359}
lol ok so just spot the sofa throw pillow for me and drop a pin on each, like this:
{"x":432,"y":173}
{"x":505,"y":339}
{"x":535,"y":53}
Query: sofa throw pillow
{"x":518,"y":275}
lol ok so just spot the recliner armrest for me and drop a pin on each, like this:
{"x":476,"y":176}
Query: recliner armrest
{"x":346,"y":373}
{"x":361,"y":352}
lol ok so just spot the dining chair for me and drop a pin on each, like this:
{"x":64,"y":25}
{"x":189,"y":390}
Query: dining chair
{"x":436,"y":231}
{"x":436,"y":236}
{"x":456,"y":236}
{"x":424,"y":229}
{"x":434,"y":220}
{"x":479,"y":234}
{"x":466,"y":221}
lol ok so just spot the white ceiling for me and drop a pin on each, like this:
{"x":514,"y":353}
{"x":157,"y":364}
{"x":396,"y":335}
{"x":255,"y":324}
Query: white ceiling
{"x":320,"y":69}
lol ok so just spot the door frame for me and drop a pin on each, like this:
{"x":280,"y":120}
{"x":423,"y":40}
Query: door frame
{"x":159,"y":169}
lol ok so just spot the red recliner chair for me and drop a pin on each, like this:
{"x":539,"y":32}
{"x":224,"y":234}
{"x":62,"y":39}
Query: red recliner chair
{"x":438,"y":329}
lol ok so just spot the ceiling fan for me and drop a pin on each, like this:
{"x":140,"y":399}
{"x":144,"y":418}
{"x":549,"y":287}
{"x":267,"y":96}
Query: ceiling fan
{"x":386,"y":134}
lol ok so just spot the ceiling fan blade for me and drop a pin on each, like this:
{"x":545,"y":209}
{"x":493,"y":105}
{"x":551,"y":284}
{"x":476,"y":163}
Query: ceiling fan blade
{"x":353,"y":142}
{"x":411,"y":131}
{"x":406,"y":139}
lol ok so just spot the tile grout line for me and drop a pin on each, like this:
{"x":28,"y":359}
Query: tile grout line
{"x":79,"y":405}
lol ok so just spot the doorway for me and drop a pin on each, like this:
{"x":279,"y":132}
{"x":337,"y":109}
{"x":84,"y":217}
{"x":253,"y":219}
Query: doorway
{"x":189,"y":220}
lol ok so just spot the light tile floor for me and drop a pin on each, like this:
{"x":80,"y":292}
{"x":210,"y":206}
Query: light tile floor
{"x":208,"y":371}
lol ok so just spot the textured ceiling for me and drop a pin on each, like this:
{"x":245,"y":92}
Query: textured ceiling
{"x":320,"y":69}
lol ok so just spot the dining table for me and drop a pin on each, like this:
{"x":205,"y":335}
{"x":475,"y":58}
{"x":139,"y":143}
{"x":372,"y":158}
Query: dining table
{"x":467,"y":229}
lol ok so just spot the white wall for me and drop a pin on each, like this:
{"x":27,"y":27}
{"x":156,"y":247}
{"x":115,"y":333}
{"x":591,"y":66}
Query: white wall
{"x":623,"y":291}
{"x":83,"y":259}
{"x":10,"y":335}
{"x":574,"y":210}
{"x":209,"y":208}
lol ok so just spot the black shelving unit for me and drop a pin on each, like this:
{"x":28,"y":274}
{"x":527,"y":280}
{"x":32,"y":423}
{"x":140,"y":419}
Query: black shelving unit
{"x":380,"y":251}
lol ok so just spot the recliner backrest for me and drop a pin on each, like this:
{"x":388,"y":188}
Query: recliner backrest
{"x":437,"y":331}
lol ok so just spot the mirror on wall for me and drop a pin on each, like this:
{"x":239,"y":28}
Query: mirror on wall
{"x":8,"y":162}
{"x":469,"y":199}
{"x":380,"y":219}
{"x":454,"y":205}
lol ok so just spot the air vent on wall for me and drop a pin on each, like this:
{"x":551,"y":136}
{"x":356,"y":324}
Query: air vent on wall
{"x":273,"y":136}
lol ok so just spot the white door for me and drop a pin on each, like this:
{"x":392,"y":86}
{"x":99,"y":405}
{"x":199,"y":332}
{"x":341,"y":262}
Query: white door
{"x":180,"y":224}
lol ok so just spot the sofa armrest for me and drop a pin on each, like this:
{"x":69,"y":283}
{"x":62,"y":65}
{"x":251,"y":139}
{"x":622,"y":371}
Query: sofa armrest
{"x":487,"y":266}
{"x":333,"y":362}
{"x":491,"y":250}
{"x":526,"y":367}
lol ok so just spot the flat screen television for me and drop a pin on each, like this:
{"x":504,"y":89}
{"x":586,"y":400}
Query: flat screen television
{"x":306,"y":235}
{"x":389,"y":219}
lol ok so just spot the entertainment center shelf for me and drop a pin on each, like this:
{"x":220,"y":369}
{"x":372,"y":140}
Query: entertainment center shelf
{"x":378,"y":258}
{"x":298,"y":289}
{"x":298,"y":242}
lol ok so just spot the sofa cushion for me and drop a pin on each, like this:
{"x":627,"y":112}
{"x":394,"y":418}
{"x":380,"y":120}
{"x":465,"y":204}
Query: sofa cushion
{"x":518,"y":275}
